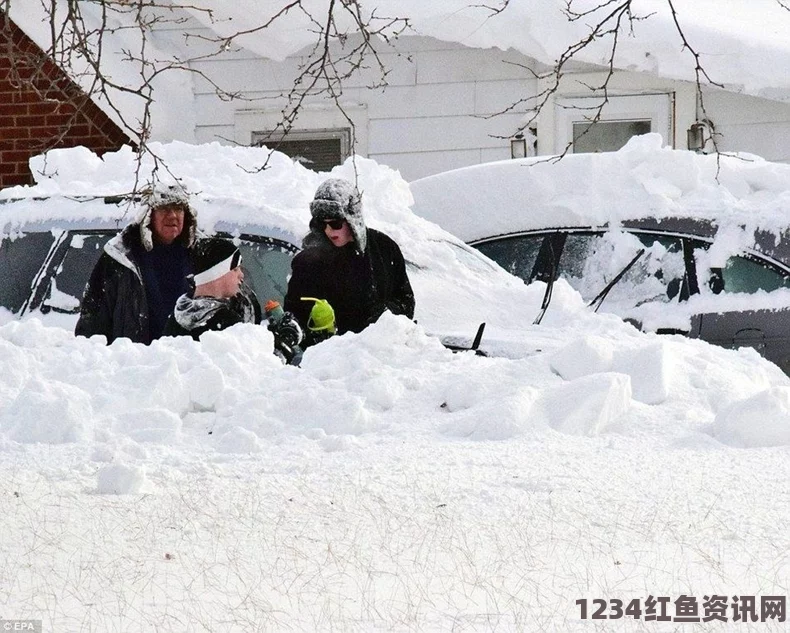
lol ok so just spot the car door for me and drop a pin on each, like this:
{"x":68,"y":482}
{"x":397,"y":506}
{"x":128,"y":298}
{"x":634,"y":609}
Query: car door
{"x":746,"y":304}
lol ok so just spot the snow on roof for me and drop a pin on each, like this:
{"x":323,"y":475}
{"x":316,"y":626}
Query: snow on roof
{"x":642,"y":180}
{"x":742,"y":44}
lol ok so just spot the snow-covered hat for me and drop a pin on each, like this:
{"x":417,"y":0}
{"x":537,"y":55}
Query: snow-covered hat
{"x":157,"y":196}
{"x":162,"y":196}
{"x":213,"y":258}
{"x":338,"y":199}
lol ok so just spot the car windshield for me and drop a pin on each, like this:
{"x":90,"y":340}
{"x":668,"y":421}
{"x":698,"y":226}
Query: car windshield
{"x":21,"y":259}
{"x":267,"y":264}
{"x":590,"y":261}
{"x":71,"y":276}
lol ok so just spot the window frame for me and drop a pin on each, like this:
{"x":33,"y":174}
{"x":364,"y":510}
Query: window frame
{"x":691,"y":243}
{"x":273,"y":139}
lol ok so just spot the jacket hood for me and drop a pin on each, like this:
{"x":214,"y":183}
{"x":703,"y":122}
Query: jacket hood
{"x":337,"y":199}
{"x":187,"y":237}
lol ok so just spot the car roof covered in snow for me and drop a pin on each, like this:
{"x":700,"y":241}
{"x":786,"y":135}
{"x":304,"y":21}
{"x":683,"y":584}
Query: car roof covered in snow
{"x":643,"y":182}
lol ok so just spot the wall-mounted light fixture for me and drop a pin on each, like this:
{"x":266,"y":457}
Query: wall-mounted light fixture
{"x":518,"y":146}
{"x":695,"y":137}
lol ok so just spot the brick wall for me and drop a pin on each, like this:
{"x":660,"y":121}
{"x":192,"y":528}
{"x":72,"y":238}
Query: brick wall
{"x":41,"y":109}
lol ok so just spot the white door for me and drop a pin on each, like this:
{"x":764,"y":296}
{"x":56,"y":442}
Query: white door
{"x":622,"y":117}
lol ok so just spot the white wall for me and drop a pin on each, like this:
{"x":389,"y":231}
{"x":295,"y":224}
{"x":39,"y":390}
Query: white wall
{"x":750,"y":124}
{"x":431,"y":117}
{"x":436,"y":111}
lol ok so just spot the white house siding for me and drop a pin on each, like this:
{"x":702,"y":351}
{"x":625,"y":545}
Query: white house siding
{"x":436,"y":111}
{"x":431,"y":117}
{"x":750,"y":124}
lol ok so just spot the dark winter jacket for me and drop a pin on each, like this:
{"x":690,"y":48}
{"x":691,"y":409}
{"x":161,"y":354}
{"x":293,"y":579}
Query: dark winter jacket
{"x":360,"y":286}
{"x":195,"y":315}
{"x":115,"y":303}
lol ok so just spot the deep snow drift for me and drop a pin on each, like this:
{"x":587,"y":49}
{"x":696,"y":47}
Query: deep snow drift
{"x":388,"y":483}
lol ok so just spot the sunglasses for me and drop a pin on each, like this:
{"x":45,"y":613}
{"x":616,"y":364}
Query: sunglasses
{"x":335,"y":225}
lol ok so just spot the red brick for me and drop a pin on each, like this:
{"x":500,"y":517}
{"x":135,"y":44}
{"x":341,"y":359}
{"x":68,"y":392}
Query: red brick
{"x":14,"y":180}
{"x":15,"y":156}
{"x":43,"y":107}
{"x":9,"y":168}
{"x":11,"y":133}
{"x":29,"y":122}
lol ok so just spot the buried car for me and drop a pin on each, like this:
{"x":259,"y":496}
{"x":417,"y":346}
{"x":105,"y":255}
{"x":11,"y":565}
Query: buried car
{"x":47,"y":264}
{"x":51,"y":235}
{"x":671,"y":241}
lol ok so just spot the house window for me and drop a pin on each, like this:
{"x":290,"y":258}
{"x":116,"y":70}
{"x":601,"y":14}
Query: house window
{"x":606,"y":136}
{"x":621,"y":117}
{"x":319,"y":150}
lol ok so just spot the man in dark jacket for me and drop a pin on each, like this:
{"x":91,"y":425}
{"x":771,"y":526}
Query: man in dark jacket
{"x":143,"y":270}
{"x":217,"y":300}
{"x":359,"y":271}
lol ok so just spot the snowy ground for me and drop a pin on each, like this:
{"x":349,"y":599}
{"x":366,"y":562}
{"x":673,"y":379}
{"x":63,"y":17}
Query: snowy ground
{"x":388,"y":484}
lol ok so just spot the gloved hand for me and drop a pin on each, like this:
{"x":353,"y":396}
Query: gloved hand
{"x":287,"y":330}
{"x":287,"y":333}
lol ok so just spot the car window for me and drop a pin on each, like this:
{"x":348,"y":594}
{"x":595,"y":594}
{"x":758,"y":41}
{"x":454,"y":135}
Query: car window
{"x":591,"y":260}
{"x":71,"y":276}
{"x":20,"y":261}
{"x":746,"y":275}
{"x":267,"y":264}
{"x":516,"y":254}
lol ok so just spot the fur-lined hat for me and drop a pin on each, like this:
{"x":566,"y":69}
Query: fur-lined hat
{"x":161,"y":196}
{"x":338,"y":199}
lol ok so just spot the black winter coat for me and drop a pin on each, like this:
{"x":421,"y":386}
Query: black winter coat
{"x":114,"y":303}
{"x":195,"y":315}
{"x":359,"y":286}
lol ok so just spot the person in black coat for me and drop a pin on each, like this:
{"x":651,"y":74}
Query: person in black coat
{"x":141,"y":273}
{"x":359,"y":271}
{"x":217,"y":299}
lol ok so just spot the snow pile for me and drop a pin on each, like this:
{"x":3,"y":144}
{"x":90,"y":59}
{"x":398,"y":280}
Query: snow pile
{"x":387,"y":482}
{"x":761,"y":420}
{"x":229,"y":393}
{"x":739,"y":193}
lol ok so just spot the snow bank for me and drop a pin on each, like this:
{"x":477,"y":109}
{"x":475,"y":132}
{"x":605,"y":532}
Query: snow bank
{"x":228,"y":394}
{"x":760,"y":420}
{"x":207,"y":484}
